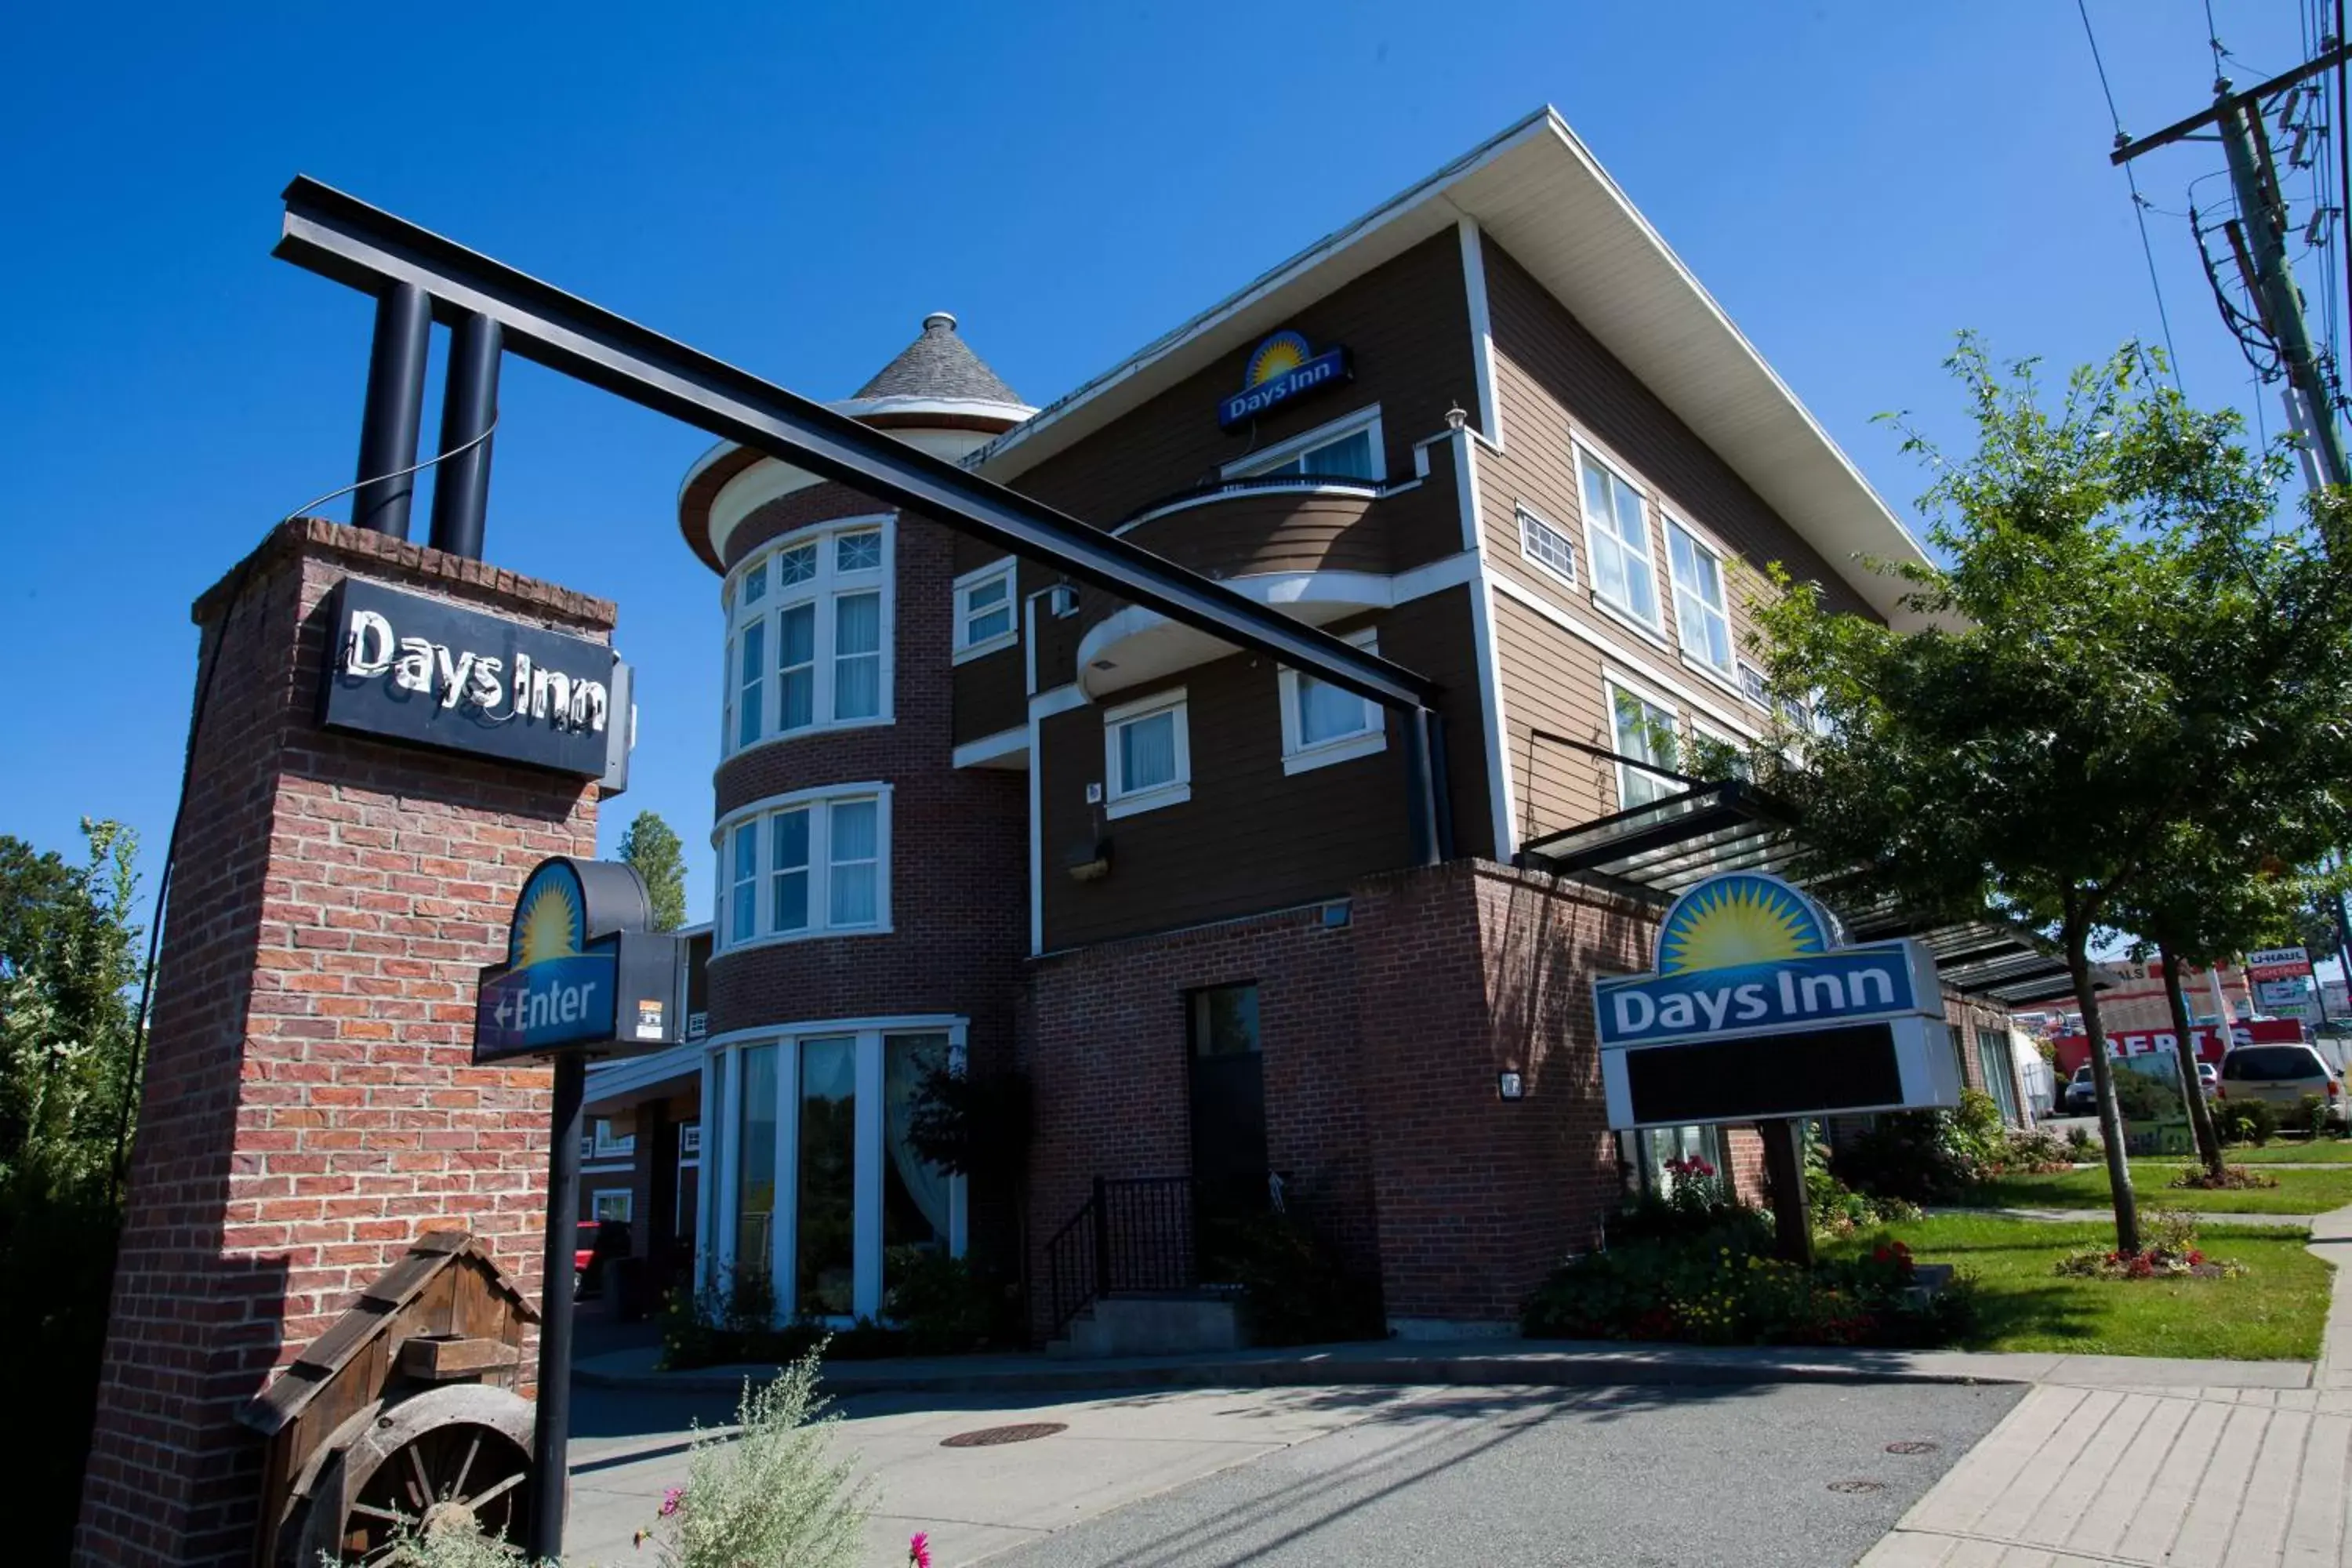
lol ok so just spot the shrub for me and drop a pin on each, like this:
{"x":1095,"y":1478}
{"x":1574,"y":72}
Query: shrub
{"x":774,"y":1496}
{"x":1297,"y":1287}
{"x":1974,"y":1134}
{"x":1723,"y":1290}
{"x":1906,"y":1156}
{"x":2033,"y":1152}
{"x":2079,"y":1142}
{"x":456,"y":1545}
{"x":2142,"y":1098}
{"x":2310,"y":1116}
{"x":1836,"y":1208}
{"x":2245,"y":1121}
{"x":939,"y":1301}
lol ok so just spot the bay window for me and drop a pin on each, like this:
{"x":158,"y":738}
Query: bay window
{"x":814,"y":863}
{"x":825,"y":1202}
{"x":809,"y":635}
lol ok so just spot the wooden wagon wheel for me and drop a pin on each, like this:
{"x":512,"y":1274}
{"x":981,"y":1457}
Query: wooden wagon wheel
{"x":450,"y":1458}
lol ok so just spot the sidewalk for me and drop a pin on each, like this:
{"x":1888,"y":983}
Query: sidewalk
{"x":2188,"y":1477}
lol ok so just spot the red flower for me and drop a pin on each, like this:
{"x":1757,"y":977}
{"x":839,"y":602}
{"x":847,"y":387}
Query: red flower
{"x":918,"y":1550}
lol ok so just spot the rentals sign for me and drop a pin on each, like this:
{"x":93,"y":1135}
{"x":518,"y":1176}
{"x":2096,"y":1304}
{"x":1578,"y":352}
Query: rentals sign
{"x":1754,"y":1011}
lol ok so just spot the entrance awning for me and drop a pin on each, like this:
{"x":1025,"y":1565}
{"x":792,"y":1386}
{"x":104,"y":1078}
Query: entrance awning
{"x":1654,"y":853}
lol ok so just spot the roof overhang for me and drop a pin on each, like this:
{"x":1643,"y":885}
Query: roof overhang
{"x":1539,"y":193}
{"x":1654,"y":853}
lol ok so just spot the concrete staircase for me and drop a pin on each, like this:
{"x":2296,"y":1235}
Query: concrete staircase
{"x":1141,"y":1323}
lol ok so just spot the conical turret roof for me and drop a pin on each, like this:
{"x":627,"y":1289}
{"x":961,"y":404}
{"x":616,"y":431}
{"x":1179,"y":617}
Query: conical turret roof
{"x":939,"y":365}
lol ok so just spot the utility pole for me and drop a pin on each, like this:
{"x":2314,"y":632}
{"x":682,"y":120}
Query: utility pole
{"x":2236,"y":118}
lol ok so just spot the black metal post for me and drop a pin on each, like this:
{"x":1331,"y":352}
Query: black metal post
{"x":1420,"y":786}
{"x":1784,"y":1168}
{"x":1102,"y":1237}
{"x":1441,"y":783}
{"x":469,"y":406}
{"x":395,"y":408}
{"x":551,"y":1432}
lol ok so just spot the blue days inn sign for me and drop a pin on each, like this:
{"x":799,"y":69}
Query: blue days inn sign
{"x":1754,"y":1011}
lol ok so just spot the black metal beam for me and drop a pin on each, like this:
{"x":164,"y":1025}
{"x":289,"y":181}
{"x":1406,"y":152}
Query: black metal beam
{"x":339,"y":236}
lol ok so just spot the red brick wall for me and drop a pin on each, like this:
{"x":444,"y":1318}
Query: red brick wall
{"x":1383,"y":1040}
{"x":308,"y":1105}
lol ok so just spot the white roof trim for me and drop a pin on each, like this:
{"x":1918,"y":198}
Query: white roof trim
{"x":1540,"y":193}
{"x":984,"y":407}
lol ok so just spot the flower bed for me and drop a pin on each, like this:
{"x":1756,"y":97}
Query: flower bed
{"x":2172,"y":1254}
{"x":2234,"y":1178}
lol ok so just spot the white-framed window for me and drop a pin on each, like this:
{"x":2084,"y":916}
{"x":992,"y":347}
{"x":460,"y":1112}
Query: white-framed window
{"x":984,"y":617}
{"x":1147,"y":755}
{"x":1751,"y":685}
{"x":1346,"y":449}
{"x":812,"y":863}
{"x":1322,"y":724}
{"x":808,"y":644}
{"x":611,"y":1202}
{"x":603,"y":1143}
{"x":1617,"y":532}
{"x":1644,"y":731}
{"x":1546,"y":546}
{"x":1701,"y":620}
{"x":1708,"y":737}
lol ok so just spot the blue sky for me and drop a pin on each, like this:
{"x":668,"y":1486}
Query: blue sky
{"x":792,"y":186}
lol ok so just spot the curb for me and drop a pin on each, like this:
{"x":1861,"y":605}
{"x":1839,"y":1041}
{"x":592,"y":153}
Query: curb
{"x":1565,"y":1370}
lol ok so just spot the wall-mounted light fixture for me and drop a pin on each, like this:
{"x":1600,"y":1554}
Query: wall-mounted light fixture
{"x":1510,"y":1085}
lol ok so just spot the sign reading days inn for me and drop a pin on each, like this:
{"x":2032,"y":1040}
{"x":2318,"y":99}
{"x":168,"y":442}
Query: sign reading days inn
{"x":582,"y":972}
{"x":408,"y":667}
{"x":1282,"y":369}
{"x":1755,"y":1011}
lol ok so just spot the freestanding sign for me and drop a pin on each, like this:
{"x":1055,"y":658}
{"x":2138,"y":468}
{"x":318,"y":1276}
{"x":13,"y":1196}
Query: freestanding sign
{"x":1755,"y":1012}
{"x":583,"y":977}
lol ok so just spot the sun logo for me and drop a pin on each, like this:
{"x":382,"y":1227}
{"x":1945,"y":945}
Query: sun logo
{"x":1278,"y":356}
{"x":1728,"y":921}
{"x":549,"y":923}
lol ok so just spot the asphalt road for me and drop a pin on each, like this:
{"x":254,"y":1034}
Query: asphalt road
{"x":1637,"y":1478}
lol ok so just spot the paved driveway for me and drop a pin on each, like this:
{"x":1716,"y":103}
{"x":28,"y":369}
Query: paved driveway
{"x":1632,"y":1478}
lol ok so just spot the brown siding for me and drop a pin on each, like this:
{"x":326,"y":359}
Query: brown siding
{"x":1552,"y":682}
{"x":1406,"y":324}
{"x":989,"y":694}
{"x":1253,"y":838}
{"x":1275,"y":531}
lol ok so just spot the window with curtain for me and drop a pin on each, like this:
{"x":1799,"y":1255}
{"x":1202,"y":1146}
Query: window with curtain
{"x":1700,"y":620}
{"x":826,"y":870}
{"x":1343,"y":450}
{"x":916,"y":1193}
{"x":1617,"y":531}
{"x":1645,"y":732}
{"x":755,"y":1165}
{"x":824,"y":1228}
{"x":1322,"y":724}
{"x":809,"y":635}
{"x":1993,"y":1059}
{"x":1146,"y":753}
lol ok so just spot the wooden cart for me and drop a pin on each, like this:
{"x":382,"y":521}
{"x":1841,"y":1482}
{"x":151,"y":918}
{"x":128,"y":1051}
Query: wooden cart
{"x":404,"y":1413}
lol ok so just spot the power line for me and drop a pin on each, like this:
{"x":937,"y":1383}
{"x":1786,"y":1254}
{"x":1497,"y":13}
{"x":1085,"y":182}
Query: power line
{"x":2140,"y":202}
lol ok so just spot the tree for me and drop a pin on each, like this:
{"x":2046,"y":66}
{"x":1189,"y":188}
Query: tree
{"x":660,"y":859}
{"x":2099,"y":658}
{"x":68,"y":1084}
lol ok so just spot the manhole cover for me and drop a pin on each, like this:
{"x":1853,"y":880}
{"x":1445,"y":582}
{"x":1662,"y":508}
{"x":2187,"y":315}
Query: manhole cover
{"x":990,"y":1436}
{"x":1912,"y":1448}
{"x":1857,"y":1486}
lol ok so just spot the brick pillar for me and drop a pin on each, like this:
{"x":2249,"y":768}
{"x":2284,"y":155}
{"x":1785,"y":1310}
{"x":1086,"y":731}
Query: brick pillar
{"x":309,"y":1106}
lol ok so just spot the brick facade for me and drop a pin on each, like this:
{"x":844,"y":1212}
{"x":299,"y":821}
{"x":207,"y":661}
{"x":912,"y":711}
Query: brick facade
{"x":1382,"y":1043}
{"x":309,"y":1106}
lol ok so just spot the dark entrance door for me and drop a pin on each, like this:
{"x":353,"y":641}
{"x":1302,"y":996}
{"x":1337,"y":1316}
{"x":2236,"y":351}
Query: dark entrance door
{"x":1228,"y":1093}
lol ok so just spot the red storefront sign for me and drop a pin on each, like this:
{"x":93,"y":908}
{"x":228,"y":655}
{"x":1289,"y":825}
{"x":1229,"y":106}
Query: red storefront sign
{"x":2074,"y":1050}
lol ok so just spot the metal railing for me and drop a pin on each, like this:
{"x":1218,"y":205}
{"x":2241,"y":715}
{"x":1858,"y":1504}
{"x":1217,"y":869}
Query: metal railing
{"x":1131,"y":1233}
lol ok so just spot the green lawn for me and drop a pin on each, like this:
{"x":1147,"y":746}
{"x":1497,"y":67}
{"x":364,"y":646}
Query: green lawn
{"x":2318,"y":1152}
{"x":2273,"y":1313}
{"x":2298,"y":1192}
